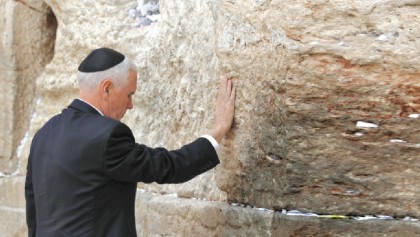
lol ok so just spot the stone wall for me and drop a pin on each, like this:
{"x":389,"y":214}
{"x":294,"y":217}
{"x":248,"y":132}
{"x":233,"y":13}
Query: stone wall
{"x":327,"y":105}
{"x":28,"y":37}
{"x":168,"y":215}
{"x":310,"y":75}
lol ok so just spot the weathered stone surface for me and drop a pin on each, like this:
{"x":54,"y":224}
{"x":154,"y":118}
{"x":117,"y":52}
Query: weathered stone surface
{"x":171,"y":216}
{"x":306,"y":73}
{"x":28,"y":36}
{"x":12,"y":207}
{"x":12,"y":192}
{"x":187,"y":217}
{"x":13,"y":222}
{"x":302,"y":87}
{"x":6,"y":90}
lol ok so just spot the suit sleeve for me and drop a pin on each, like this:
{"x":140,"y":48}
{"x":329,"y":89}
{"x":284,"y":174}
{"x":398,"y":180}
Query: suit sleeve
{"x":128,"y":161}
{"x":30,"y":201}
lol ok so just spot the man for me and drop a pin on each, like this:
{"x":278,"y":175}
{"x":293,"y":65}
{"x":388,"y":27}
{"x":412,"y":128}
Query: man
{"x":84,"y":163}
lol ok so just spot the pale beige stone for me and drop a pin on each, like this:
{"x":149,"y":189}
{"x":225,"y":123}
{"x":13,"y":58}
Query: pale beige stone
{"x":171,"y":216}
{"x":28,"y":37}
{"x":7,"y":90}
{"x":13,"y":222}
{"x":12,"y":207}
{"x":12,"y":192}
{"x":306,"y":73}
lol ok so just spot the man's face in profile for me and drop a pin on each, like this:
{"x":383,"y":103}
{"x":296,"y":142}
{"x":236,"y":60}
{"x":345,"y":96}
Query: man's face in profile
{"x":121,"y":99}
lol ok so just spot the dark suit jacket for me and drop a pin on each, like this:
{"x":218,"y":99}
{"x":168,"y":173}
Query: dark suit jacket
{"x":83,"y":169}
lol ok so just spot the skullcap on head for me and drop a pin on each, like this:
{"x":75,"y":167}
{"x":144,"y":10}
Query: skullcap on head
{"x":100,"y":60}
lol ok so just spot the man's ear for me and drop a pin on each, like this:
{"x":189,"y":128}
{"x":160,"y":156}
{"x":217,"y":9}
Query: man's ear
{"x":106,"y":87}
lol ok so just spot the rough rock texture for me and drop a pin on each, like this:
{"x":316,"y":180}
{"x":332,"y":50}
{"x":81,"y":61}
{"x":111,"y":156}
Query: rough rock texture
{"x":307,"y":74}
{"x":12,"y":207}
{"x":27,"y":40}
{"x":185,"y":217}
{"x":308,"y":71}
{"x":188,"y":217}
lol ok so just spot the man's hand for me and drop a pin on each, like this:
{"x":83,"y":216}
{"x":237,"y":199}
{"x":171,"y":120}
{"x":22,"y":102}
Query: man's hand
{"x":224,"y":111}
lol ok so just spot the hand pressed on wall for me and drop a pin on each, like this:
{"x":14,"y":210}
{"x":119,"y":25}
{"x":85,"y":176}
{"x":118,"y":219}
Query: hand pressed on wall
{"x":225,"y":109}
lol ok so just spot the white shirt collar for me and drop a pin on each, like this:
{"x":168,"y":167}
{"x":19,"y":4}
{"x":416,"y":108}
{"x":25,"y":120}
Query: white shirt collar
{"x":92,"y":107}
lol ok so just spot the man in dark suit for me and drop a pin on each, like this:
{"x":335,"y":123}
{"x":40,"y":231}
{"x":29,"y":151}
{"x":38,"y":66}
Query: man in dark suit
{"x":84,"y":163}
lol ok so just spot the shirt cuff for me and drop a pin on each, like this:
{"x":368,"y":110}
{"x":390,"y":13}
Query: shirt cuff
{"x":213,"y":141}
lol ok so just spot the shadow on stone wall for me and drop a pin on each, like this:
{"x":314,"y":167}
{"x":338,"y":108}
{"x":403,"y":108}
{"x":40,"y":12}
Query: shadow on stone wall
{"x":29,"y":34}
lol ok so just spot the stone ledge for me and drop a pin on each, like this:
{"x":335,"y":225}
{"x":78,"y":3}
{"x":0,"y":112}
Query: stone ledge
{"x":172,"y":216}
{"x":168,"y":215}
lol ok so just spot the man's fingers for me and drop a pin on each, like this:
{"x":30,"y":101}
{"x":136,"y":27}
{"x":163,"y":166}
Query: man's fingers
{"x":226,"y":84}
{"x":225,"y":107}
{"x":229,"y":86}
{"x":233,"y":94}
{"x":227,"y":90}
{"x":223,"y":82}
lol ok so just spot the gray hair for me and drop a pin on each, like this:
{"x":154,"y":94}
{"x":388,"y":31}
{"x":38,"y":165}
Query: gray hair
{"x":119,"y":75}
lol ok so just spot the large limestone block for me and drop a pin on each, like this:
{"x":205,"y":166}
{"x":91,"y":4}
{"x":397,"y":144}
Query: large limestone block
{"x":12,"y":192}
{"x":12,"y":207}
{"x":28,"y":36}
{"x":178,"y":85}
{"x":170,"y":216}
{"x":7,"y":91}
{"x":13,"y":222}
{"x":6,"y":126}
{"x":308,"y":74}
